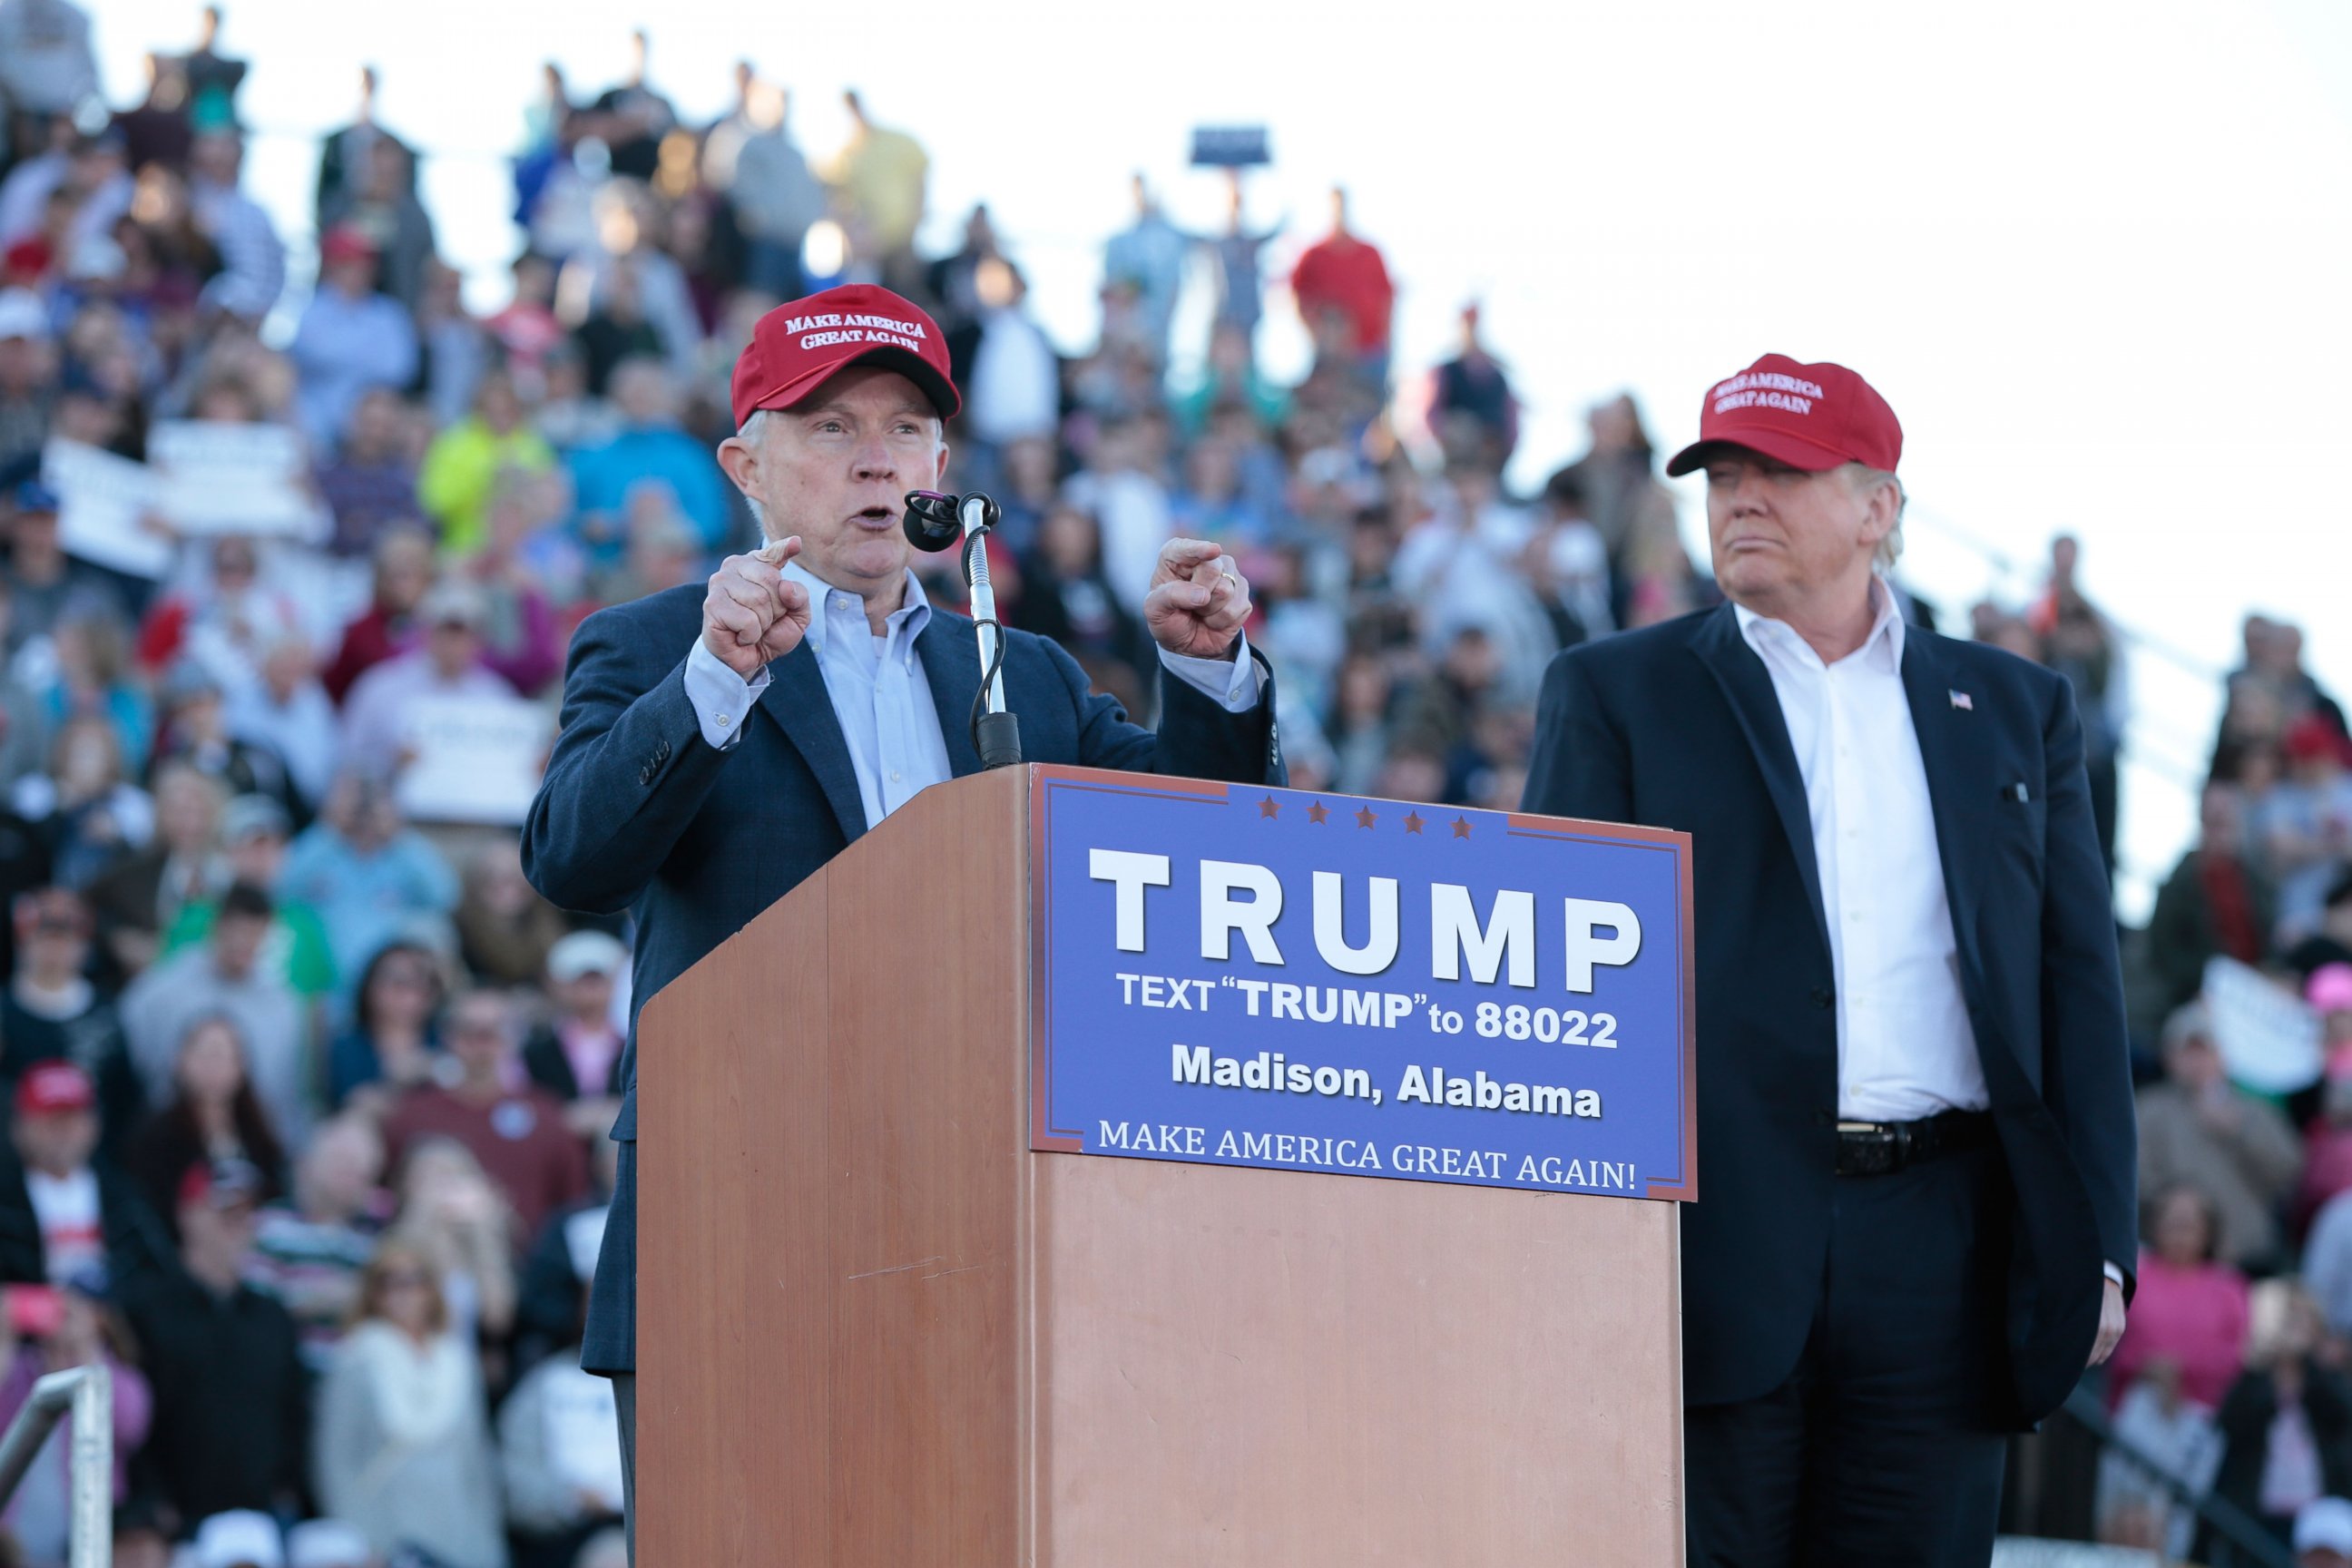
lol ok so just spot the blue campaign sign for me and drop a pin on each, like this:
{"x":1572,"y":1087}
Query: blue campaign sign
{"x":1236,"y":975}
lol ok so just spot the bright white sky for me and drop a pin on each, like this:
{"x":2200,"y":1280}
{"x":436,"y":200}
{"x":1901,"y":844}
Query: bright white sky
{"x":2093,"y":253}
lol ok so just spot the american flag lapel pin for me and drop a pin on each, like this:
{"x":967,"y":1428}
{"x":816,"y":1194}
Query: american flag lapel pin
{"x":1964,"y":703}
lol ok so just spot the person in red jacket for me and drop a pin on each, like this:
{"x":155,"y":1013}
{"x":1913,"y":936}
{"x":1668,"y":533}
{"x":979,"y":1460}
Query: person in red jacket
{"x":1345,"y":296}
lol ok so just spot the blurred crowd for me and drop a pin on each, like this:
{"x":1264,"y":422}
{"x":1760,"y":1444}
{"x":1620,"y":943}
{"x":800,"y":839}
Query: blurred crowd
{"x":306,"y":1086}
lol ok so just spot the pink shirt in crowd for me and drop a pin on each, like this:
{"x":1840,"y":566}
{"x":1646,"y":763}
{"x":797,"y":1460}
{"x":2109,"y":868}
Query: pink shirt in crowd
{"x":2195,"y":1317}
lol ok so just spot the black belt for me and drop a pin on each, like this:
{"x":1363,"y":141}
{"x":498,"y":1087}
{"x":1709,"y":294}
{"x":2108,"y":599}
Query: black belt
{"x":1881,"y":1148}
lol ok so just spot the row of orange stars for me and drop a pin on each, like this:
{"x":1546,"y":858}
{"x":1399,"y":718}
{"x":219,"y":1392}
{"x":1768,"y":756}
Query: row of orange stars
{"x":1365,"y":817}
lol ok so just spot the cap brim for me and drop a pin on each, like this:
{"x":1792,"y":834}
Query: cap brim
{"x":1778,"y":445}
{"x":913,"y":366}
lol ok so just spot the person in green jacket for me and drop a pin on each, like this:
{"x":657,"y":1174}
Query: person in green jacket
{"x":463,"y":465}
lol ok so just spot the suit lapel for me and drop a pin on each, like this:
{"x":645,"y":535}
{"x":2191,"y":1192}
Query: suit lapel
{"x":951,"y":654}
{"x":797,"y":700}
{"x":1959,"y":783}
{"x":1748,"y":686}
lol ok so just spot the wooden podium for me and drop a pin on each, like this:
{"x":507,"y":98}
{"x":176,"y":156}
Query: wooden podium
{"x":877,"y":1330}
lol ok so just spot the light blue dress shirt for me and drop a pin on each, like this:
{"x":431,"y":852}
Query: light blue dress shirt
{"x":882,"y":697}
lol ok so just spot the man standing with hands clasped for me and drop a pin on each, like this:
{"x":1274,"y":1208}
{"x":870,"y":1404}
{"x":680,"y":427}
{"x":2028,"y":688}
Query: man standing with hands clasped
{"x":720,"y":744}
{"x":1916,"y":1144}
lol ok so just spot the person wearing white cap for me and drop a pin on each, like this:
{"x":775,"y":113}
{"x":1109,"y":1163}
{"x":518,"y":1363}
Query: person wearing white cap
{"x":450,"y":664}
{"x":243,"y":1538}
{"x":2323,"y":1533}
{"x":576,"y":1056}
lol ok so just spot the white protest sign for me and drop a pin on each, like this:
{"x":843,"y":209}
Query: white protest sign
{"x":102,"y":504}
{"x":476,"y":758}
{"x":2268,"y":1039}
{"x":235,"y":479}
{"x":584,"y":1431}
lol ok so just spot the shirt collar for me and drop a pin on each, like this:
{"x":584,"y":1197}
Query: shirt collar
{"x":1885,"y":630}
{"x":907,"y":621}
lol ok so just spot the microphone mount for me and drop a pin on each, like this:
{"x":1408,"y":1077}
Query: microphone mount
{"x":936,"y":521}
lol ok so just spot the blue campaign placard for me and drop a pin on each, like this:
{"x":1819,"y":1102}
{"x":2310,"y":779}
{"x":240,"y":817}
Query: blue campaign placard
{"x":1229,"y":974}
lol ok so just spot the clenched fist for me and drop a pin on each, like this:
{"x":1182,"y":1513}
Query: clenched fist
{"x":753,"y":613}
{"x":1197,"y":601}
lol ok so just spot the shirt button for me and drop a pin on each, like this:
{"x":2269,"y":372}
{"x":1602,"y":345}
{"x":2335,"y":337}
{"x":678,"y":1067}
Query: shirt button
{"x":724,"y":721}
{"x":894,"y":776}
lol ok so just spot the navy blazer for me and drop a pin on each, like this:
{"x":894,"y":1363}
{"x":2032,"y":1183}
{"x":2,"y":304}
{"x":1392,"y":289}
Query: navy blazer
{"x":638,"y":812}
{"x":1679,"y":726}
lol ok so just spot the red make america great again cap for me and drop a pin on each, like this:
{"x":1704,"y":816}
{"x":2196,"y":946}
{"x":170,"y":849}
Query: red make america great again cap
{"x":796,"y":348}
{"x":1810,"y":416}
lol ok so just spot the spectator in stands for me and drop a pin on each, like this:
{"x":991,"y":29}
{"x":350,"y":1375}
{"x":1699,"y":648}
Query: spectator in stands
{"x":1241,"y":292}
{"x":62,"y":1216}
{"x":2332,"y":942}
{"x":2286,"y":1426}
{"x":288,"y":715}
{"x":880,"y":179}
{"x":382,"y":206}
{"x":2133,"y":1507}
{"x":2197,"y":1130}
{"x":2309,"y":824}
{"x":575,"y":1057}
{"x":2215,"y":902}
{"x":1149,"y":255}
{"x":47,"y":65}
{"x":1342,"y":277}
{"x":83,"y":809}
{"x":347,"y":154}
{"x":467,"y":463}
{"x":51,"y":1012}
{"x":28,"y":376}
{"x":378,"y":716}
{"x":1473,"y":415}
{"x":253,"y":834}
{"x":1012,"y":390}
{"x":522,"y":641}
{"x":402,"y":1445}
{"x":309,"y":1249}
{"x":396,"y":1045}
{"x":372,"y":481}
{"x":232,"y":1400}
{"x":404,"y":575}
{"x":196,"y":732}
{"x":225,"y":975}
{"x":772,"y":192}
{"x":651,"y":448}
{"x":213,"y":1115}
{"x":351,"y":338}
{"x":504,"y":929}
{"x":43,"y":583}
{"x":2077,"y":644}
{"x":1067,"y":596}
{"x":514,"y":1128}
{"x":452,"y":1210}
{"x":2190,"y":1309}
{"x":143,"y":892}
{"x":372,"y":877}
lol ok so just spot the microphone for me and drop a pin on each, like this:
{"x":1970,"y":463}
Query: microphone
{"x":933,"y":522}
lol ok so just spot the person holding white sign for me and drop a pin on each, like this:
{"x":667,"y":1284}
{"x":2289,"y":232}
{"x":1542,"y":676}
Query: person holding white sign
{"x":377,"y":720}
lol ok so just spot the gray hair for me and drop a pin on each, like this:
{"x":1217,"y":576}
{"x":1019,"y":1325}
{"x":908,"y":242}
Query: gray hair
{"x":1863,"y":479}
{"x":755,"y":425}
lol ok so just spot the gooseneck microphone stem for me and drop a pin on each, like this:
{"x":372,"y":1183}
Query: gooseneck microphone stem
{"x":995,"y":732}
{"x":935,"y":522}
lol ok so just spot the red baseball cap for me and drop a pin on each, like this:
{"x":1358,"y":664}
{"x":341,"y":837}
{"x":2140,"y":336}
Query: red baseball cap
{"x":796,"y":348}
{"x":49,"y":1089}
{"x":1810,"y":416}
{"x":345,"y":243}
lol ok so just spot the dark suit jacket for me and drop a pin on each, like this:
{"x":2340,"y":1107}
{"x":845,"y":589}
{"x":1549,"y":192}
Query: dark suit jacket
{"x":638,"y":812}
{"x":1677,"y":726}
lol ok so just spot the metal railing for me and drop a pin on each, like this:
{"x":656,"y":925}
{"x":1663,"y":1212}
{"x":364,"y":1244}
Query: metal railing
{"x":88,"y":1392}
{"x":2238,"y":1540}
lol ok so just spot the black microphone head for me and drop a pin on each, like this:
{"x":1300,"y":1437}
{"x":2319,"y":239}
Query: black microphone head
{"x":932,"y":522}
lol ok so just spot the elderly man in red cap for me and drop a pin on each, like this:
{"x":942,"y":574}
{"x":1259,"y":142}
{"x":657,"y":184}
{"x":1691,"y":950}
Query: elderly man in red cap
{"x":722,"y":742}
{"x":1915,"y":1224}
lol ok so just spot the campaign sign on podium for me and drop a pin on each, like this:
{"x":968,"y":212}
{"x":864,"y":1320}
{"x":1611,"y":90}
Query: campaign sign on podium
{"x":1246,"y":976}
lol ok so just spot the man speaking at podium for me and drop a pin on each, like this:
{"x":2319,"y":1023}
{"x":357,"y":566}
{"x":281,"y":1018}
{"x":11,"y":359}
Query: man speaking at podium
{"x":1915,"y":1142}
{"x":719,"y":744}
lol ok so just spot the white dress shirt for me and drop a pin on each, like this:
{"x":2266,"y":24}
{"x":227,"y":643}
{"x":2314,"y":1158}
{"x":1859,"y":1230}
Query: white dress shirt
{"x":1906,"y":1048}
{"x":882,"y":697}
